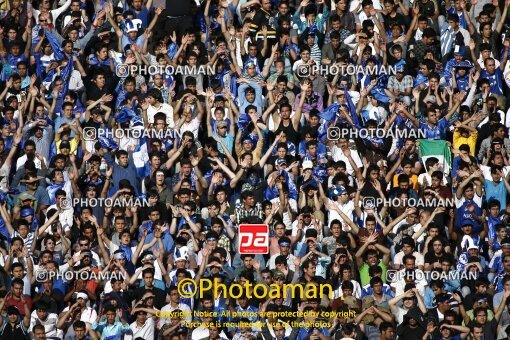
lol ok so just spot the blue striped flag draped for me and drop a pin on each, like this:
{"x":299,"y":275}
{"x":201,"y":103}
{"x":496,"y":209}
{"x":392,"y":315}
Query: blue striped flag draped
{"x":58,"y":52}
{"x":65,"y":74}
{"x":52,"y":189}
{"x":108,"y":143}
{"x":172,"y":50}
{"x":140,"y":157}
{"x":125,"y":115}
{"x":120,"y":98}
{"x":352,"y":109}
{"x":330,"y":112}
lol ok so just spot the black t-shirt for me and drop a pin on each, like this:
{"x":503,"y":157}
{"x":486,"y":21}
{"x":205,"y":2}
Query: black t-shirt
{"x":426,"y":9}
{"x":430,"y":257}
{"x":369,"y":190}
{"x":397,"y":19}
{"x":16,"y":332}
{"x":177,"y":8}
{"x":410,"y":333}
{"x":252,"y":176}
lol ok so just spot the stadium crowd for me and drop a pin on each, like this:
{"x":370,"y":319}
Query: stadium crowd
{"x":370,"y":136}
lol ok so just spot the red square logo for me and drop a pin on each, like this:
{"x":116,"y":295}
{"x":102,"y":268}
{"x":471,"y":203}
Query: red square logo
{"x":253,"y":239}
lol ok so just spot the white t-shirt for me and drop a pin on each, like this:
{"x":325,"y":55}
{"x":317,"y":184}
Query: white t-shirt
{"x":192,"y":126}
{"x":305,"y":228}
{"x":23,"y":159}
{"x":347,"y":209}
{"x":145,"y":332}
{"x":184,"y":308}
{"x":290,"y":262}
{"x":338,"y":155}
{"x":420,"y":260}
{"x":166,"y":109}
{"x":356,"y":291}
{"x":460,"y":202}
{"x":88,"y":315}
{"x":487,"y":171}
{"x":50,"y":324}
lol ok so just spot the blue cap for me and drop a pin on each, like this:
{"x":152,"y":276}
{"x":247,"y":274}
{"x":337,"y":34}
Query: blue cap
{"x":459,"y":50}
{"x":281,"y":161}
{"x":26,"y":212}
{"x":336,"y":191}
{"x":463,"y":64}
{"x":87,"y":253}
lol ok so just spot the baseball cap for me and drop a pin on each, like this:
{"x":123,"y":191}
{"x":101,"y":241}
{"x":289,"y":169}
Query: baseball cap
{"x":281,"y":161}
{"x":82,"y":295}
{"x":459,"y":50}
{"x":133,"y":25}
{"x":221,"y":124}
{"x":28,"y":211}
{"x":466,"y":223}
{"x":336,"y":191}
{"x":181,"y":258}
{"x":307,"y":165}
{"x":278,"y":273}
{"x":87,"y":253}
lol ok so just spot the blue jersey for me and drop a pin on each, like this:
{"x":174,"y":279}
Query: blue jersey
{"x":436,"y":132}
{"x":496,"y":80}
{"x":463,"y":215}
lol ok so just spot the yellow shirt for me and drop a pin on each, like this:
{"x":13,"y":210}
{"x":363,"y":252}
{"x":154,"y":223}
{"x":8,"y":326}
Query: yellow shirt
{"x":458,"y":140}
{"x":74,"y":143}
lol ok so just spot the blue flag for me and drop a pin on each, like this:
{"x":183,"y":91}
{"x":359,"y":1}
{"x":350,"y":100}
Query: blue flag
{"x":352,"y":109}
{"x":65,"y":74}
{"x":58,"y":52}
{"x":52,"y":189}
{"x":330,"y":112}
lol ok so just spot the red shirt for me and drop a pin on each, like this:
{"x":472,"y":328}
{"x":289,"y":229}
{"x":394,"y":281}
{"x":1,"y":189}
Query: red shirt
{"x":19,"y":303}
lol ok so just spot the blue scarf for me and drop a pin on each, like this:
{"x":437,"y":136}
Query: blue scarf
{"x":127,"y":251}
{"x":52,"y":189}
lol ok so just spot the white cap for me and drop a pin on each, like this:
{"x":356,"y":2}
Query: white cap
{"x":82,"y":296}
{"x":307,"y":165}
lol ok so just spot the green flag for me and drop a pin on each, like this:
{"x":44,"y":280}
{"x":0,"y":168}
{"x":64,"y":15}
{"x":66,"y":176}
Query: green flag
{"x":436,"y":148}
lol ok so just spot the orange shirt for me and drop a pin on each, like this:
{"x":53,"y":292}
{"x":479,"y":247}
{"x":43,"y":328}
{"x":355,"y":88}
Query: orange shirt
{"x":413,"y":178}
